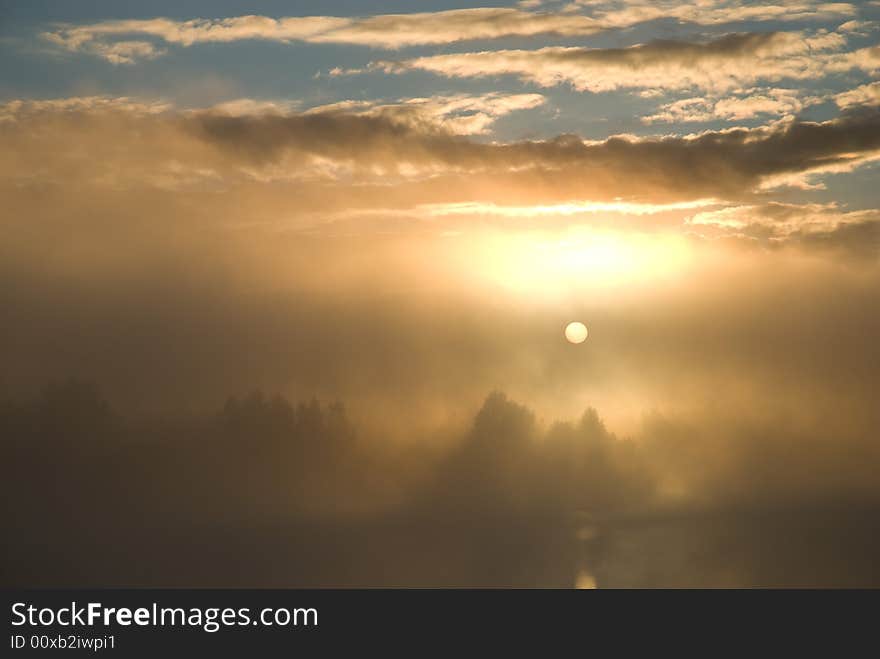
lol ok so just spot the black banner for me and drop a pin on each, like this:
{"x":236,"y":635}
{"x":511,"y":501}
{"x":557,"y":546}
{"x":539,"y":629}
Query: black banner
{"x":135,"y":622}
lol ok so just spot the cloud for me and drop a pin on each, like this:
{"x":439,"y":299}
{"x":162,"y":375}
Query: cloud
{"x":860,"y":28}
{"x":746,"y":104}
{"x":382,"y":31}
{"x":868,"y":94}
{"x":249,"y":107}
{"x":126,"y":52}
{"x":415,"y":152}
{"x":115,"y":52}
{"x":566,"y":209}
{"x":866,"y":59}
{"x":725,"y":63}
{"x":815,"y":224}
{"x":186,"y":33}
{"x":859,"y":236}
{"x":456,"y":114}
{"x":401,"y":30}
{"x":712,"y":12}
{"x":22,"y":109}
{"x":721,"y":164}
{"x":815,"y":227}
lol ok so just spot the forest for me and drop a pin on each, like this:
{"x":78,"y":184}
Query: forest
{"x":269,"y":492}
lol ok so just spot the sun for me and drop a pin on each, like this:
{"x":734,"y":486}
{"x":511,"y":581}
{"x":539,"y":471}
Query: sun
{"x":576,"y":332}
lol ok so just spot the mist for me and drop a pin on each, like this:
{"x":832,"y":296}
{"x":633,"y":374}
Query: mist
{"x":216,"y":376}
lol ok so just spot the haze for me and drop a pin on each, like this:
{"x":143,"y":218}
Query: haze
{"x":284,"y":295}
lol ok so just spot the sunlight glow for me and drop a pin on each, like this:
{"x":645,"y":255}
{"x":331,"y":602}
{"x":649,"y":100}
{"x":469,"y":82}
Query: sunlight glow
{"x":565,"y":209}
{"x":542,"y":262}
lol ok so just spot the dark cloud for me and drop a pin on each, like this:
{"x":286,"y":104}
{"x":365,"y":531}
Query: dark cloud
{"x":723,"y":164}
{"x":344,"y":161}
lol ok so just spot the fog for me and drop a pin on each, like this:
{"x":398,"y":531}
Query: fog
{"x":265,"y":493}
{"x":281,"y":384}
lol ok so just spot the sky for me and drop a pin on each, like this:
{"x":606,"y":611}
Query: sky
{"x":402,"y":205}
